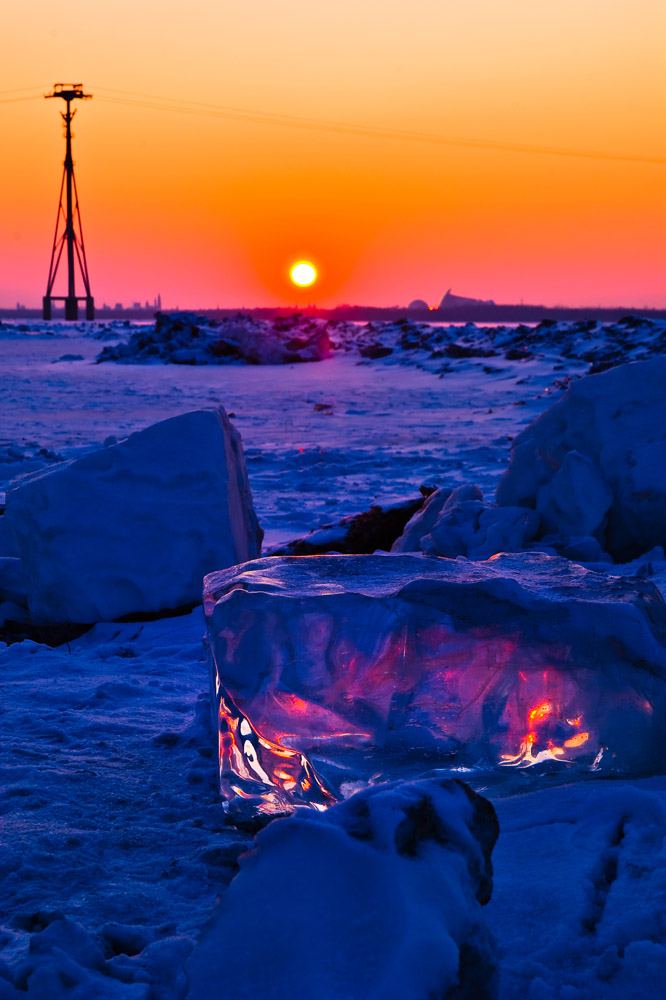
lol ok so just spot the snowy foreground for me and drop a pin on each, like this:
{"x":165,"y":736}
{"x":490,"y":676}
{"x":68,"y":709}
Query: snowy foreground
{"x":115,"y":846}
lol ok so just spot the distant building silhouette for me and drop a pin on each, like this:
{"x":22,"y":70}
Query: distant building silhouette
{"x":457,"y":301}
{"x":418,"y":304}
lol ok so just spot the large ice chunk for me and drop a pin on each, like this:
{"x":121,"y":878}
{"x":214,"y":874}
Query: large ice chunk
{"x":12,"y":581}
{"x":378,"y":898}
{"x":133,"y":528}
{"x":575,"y":501}
{"x":521,"y":660}
{"x":617,"y":421}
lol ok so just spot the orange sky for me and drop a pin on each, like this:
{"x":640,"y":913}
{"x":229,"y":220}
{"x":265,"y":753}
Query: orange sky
{"x":210,"y":209}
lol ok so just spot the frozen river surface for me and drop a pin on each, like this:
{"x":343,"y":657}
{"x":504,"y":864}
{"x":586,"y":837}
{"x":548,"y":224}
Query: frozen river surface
{"x":113,"y":847}
{"x":321,"y":440}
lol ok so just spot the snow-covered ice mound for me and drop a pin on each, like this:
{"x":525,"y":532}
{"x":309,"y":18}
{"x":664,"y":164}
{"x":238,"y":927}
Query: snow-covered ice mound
{"x":442,"y":347}
{"x":365,"y":662}
{"x":594,"y":464}
{"x":459,"y":522}
{"x":188,"y":339}
{"x":191,"y":339}
{"x":133,"y":527}
{"x":378,"y":897}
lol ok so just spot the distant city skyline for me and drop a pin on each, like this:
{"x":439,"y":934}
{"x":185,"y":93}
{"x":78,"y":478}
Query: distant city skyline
{"x":509,"y":151}
{"x":449,"y":300}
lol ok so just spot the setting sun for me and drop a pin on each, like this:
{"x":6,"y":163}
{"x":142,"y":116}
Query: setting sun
{"x":303,"y":273}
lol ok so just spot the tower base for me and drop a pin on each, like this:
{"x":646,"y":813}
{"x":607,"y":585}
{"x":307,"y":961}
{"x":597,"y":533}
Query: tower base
{"x":71,"y":306}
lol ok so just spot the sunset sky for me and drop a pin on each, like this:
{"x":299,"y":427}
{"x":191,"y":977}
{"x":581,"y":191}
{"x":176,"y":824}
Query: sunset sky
{"x":211,"y":207}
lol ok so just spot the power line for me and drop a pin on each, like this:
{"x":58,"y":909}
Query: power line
{"x":148,"y":102}
{"x":153,"y":103}
{"x":13,"y":100}
{"x":21,"y":90}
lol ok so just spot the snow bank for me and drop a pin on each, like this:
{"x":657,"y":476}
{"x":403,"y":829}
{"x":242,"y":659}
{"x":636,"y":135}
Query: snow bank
{"x":378,"y":897}
{"x":133,"y":528}
{"x":595,"y":462}
{"x":188,"y":339}
{"x":460,"y":523}
{"x":522,"y":660}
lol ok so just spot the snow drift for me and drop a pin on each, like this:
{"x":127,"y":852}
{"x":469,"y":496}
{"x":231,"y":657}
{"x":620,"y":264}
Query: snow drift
{"x":594,"y":464}
{"x":378,"y":897}
{"x":133,"y":528}
{"x":522,"y":660}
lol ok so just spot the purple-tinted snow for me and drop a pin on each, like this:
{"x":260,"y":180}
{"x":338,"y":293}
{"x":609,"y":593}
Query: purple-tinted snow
{"x":114,"y":847}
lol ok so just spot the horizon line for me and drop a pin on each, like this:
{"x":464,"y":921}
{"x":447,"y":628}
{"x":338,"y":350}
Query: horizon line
{"x":20,"y":307}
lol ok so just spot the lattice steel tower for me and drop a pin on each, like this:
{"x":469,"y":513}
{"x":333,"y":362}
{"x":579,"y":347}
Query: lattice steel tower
{"x":71,"y":236}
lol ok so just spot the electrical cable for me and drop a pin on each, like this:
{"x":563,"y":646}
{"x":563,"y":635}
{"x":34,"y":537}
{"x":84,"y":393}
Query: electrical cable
{"x":20,"y":90}
{"x":148,"y":102}
{"x":13,"y":100}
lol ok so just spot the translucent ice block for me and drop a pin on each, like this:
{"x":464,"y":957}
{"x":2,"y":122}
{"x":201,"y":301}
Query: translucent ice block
{"x":354,"y":666}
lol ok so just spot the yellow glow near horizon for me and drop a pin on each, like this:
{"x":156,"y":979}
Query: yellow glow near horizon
{"x":303,"y":273}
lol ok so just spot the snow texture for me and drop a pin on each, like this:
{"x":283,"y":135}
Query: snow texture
{"x":524,"y":659}
{"x":578,"y":910}
{"x":386,"y":888}
{"x":113,"y":846}
{"x":595,"y":462}
{"x":133,"y":528}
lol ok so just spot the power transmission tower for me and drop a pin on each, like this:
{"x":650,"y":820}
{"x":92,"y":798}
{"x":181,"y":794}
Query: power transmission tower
{"x":71,"y":236}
